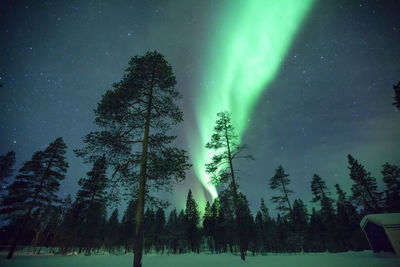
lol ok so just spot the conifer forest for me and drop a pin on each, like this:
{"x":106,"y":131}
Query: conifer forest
{"x":255,"y":131}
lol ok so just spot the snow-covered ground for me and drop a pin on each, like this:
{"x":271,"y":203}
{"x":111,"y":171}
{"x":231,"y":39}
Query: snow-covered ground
{"x":365,"y":258}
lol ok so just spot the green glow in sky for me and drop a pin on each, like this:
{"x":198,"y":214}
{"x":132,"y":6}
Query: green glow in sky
{"x":248,"y":43}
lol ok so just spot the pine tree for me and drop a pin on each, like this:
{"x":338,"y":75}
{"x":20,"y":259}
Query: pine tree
{"x":264,"y":228}
{"x":91,"y":202}
{"x":183,"y":244}
{"x":6,"y":167}
{"x":134,"y":119}
{"x":316,"y":233}
{"x":35,"y":186}
{"x":192,"y":217}
{"x":299,"y":225}
{"x":148,"y":229}
{"x":111,"y":231}
{"x":334,"y":239}
{"x":208,"y":225}
{"x":159,"y":231}
{"x":391,"y":178}
{"x":225,"y":143}
{"x":173,"y":230}
{"x":348,"y":222}
{"x":280,"y":182}
{"x":128,"y":223}
{"x":364,"y":190}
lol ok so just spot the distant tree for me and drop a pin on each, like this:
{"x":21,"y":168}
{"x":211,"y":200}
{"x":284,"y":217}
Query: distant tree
{"x":127,"y":229}
{"x":283,"y":233}
{"x":192,"y":217}
{"x":348,"y":222}
{"x":159,"y":230}
{"x":316,"y":233}
{"x":226,"y":144}
{"x":183,"y":244}
{"x":111,"y":231}
{"x":6,"y":167}
{"x":172,"y":230}
{"x":91,"y":202}
{"x":35,"y":186}
{"x":280,"y":182}
{"x":299,"y":225}
{"x":134,"y":119}
{"x":396,"y":97}
{"x":365,"y":190}
{"x":391,"y":178}
{"x":263,"y":223}
{"x":318,"y":188}
{"x":333,"y":234}
{"x":208,"y":226}
{"x":148,"y":229}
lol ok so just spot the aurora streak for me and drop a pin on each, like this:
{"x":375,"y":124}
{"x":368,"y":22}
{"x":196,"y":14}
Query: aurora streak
{"x":248,"y":43}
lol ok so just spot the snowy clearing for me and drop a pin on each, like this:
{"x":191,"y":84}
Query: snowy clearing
{"x":365,"y":258}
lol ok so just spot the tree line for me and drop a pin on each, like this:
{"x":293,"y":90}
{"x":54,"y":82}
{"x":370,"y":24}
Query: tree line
{"x":132,"y":151}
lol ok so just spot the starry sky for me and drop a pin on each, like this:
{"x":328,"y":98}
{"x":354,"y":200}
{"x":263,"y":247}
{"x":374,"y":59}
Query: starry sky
{"x":331,"y":94}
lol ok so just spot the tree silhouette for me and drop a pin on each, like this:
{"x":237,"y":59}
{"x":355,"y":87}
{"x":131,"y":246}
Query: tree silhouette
{"x":225,"y":143}
{"x":280,"y":182}
{"x":135,"y":117}
{"x":35,"y":186}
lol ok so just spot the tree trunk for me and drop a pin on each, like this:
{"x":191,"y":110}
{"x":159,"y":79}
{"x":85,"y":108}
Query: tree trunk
{"x":138,"y":249}
{"x":235,"y":198}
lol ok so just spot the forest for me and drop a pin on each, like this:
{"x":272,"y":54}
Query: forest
{"x":132,"y":152}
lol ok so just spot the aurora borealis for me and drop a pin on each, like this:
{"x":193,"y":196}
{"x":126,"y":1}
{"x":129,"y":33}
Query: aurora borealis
{"x":249,"y":42}
{"x":307,"y":82}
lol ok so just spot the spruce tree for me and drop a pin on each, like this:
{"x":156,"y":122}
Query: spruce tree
{"x":391,"y":178}
{"x":183,"y":244}
{"x":334,"y":240}
{"x":365,"y":190}
{"x":35,"y":186}
{"x":111,"y":231}
{"x":299,"y":225}
{"x":134,"y":119}
{"x":225,"y":143}
{"x":172,"y":229}
{"x":127,"y":229}
{"x":6,"y":167}
{"x":208,"y":225}
{"x":159,"y":231}
{"x":192,"y":217}
{"x":280,"y":182}
{"x":148,"y":229}
{"x":348,"y":221}
{"x":316,"y":233}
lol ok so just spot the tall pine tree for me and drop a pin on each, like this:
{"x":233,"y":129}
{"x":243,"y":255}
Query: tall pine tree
{"x":35,"y":186}
{"x":134,"y":118}
{"x":280,"y":182}
{"x":365,"y":191}
{"x":225,"y":143}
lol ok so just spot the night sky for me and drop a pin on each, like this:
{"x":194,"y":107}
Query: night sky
{"x":331,"y":94}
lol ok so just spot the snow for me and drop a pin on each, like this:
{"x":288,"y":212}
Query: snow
{"x":364,"y":258}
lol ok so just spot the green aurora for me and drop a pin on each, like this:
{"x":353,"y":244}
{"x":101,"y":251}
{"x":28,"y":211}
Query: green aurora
{"x":249,"y":41}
